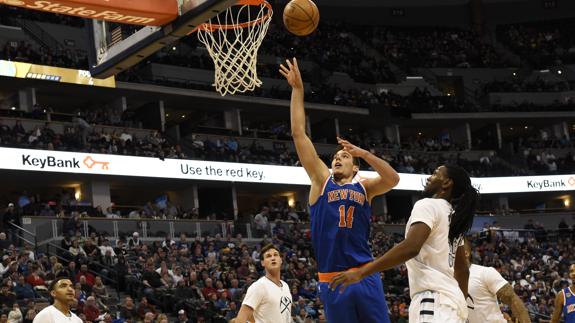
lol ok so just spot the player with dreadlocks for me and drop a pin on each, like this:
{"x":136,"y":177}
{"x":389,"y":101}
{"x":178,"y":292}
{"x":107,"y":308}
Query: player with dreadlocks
{"x":433,"y":249}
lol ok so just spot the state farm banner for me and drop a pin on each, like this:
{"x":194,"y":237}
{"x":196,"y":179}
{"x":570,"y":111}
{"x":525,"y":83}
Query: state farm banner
{"x":136,"y":12}
{"x":98,"y":164}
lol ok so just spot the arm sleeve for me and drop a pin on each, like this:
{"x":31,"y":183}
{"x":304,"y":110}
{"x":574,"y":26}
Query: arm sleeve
{"x":254,"y":296}
{"x":423,"y":211}
{"x":493,"y":280}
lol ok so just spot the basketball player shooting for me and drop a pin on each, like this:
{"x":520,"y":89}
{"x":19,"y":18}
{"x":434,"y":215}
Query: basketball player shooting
{"x":340,"y":215}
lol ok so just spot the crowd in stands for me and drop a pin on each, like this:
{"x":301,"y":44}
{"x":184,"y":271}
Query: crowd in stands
{"x":530,"y":107}
{"x":421,"y":47}
{"x":437,"y":48}
{"x":82,"y":137}
{"x":97,"y":115}
{"x":205,"y":279}
{"x":545,"y":155}
{"x":536,"y":265}
{"x":530,"y":85}
{"x":543,"y":44}
{"x":22,"y":51}
{"x":330,"y":47}
{"x":7,"y":12}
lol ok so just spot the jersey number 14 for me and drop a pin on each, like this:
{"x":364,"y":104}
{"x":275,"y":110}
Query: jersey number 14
{"x":346,"y":218}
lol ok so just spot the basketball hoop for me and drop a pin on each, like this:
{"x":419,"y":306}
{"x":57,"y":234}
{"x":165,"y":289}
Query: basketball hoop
{"x":233,"y":40}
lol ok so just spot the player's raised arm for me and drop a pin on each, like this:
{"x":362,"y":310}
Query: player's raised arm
{"x":314,"y":166}
{"x":387,"y":176}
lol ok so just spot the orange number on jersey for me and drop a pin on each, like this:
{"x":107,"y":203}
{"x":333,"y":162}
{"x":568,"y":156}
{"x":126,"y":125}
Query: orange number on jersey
{"x":346,"y":220}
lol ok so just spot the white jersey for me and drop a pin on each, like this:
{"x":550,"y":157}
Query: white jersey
{"x":433,"y":268}
{"x":270,"y":302}
{"x":484,"y":283}
{"x":51,"y":314}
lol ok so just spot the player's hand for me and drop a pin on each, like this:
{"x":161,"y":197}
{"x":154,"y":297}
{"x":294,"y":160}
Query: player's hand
{"x":354,"y":150}
{"x":345,"y":279}
{"x":292,"y":74}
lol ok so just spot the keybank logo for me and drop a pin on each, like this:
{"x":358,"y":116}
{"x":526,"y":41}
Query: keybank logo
{"x":50,"y":161}
{"x":90,"y":163}
{"x":54,"y":162}
{"x":546,"y":184}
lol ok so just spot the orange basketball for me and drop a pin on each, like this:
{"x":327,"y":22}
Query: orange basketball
{"x":301,"y":17}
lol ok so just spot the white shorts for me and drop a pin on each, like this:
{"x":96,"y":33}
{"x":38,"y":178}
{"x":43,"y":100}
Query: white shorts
{"x":428,"y":307}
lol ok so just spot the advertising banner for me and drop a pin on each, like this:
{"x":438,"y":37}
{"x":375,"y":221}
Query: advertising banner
{"x":51,"y":73}
{"x":137,"y":12}
{"x":98,"y":164}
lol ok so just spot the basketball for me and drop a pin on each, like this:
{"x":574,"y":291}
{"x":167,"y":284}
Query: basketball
{"x":301,"y":17}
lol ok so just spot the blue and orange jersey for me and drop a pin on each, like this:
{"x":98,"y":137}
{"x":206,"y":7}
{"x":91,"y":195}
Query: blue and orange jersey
{"x":568,"y":305}
{"x":340,"y":223}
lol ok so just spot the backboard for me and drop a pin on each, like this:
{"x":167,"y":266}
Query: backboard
{"x":115,"y":47}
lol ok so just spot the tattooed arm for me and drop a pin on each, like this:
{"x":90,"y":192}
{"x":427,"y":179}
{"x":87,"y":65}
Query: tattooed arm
{"x":507,"y":295}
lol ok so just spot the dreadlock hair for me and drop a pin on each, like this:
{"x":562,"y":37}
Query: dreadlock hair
{"x":464,"y":199}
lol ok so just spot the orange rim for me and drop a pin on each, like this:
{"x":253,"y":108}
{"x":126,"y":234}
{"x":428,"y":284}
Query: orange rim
{"x":213,"y":27}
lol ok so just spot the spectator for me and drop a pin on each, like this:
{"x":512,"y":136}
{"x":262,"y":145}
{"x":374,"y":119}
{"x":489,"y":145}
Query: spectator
{"x":10,"y":218}
{"x":261,"y":221}
{"x":91,"y":309}
{"x":151,"y":280}
{"x":106,"y":250}
{"x":183,"y":318}
{"x":144,"y":308}
{"x":35,"y":279}
{"x":4,"y":242}
{"x":128,"y":309}
{"x":208,"y":288}
{"x":7,"y":297}
{"x":15,"y":315}
{"x":90,"y":278}
{"x":100,"y":290}
{"x":24,"y":290}
{"x":76,"y":251}
{"x":134,"y":242}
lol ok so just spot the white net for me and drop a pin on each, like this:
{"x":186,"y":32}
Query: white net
{"x":233,"y":40}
